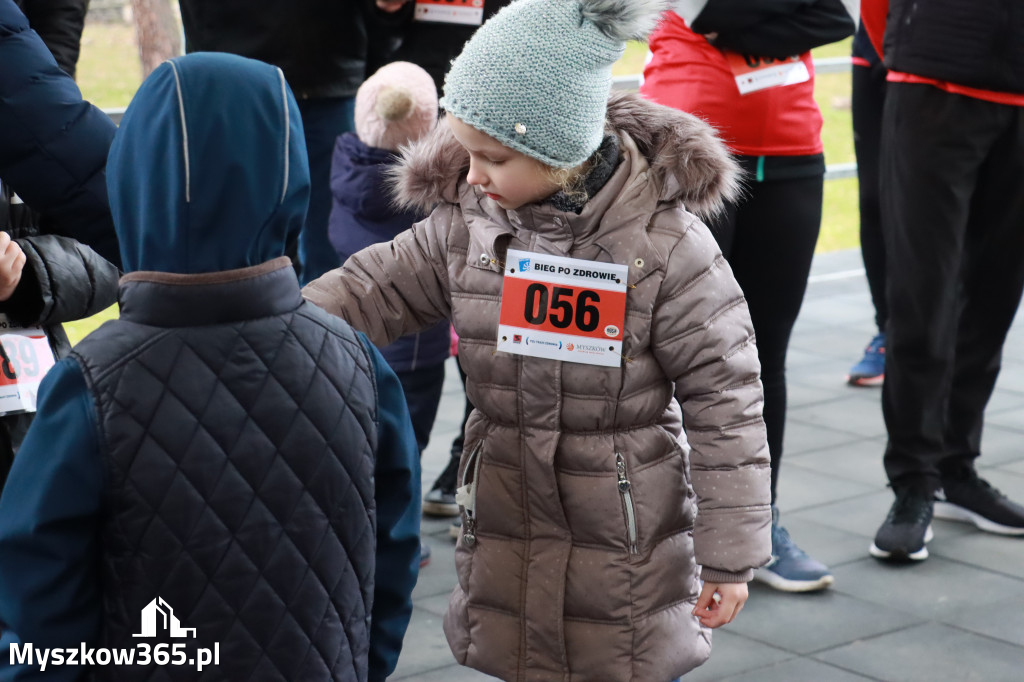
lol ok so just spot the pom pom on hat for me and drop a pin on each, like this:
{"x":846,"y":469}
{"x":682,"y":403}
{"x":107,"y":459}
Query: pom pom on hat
{"x":537,"y":75}
{"x":395,"y":106}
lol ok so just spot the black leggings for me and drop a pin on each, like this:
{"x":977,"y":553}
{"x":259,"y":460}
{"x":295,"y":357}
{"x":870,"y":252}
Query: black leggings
{"x":868,"y":100}
{"x":769,"y":241}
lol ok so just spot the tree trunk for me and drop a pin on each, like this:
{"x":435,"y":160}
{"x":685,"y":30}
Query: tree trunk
{"x":156,"y":29}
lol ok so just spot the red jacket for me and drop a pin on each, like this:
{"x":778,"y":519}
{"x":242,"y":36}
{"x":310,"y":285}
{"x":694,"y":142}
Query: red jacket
{"x":687,"y":72}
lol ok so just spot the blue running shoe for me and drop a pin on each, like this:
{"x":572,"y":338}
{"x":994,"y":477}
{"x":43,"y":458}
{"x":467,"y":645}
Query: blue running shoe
{"x":790,"y":569}
{"x":870,"y":371}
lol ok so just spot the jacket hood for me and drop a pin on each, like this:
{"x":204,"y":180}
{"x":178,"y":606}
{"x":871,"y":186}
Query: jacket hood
{"x":686,"y":158}
{"x":208,"y":170}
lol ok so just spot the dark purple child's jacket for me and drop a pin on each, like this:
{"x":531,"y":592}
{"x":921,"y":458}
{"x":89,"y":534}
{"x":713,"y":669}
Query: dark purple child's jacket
{"x":362,"y":215}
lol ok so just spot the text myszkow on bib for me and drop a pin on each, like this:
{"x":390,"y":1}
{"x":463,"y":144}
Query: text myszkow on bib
{"x":562,"y":308}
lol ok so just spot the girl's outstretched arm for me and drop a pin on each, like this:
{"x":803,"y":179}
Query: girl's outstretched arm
{"x":393,"y":288}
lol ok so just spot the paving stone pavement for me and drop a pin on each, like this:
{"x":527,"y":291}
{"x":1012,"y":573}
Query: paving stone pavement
{"x":957,"y":617}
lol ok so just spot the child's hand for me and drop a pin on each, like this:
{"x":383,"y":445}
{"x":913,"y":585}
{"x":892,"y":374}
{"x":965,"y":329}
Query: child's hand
{"x":12,"y":262}
{"x":716,"y":612}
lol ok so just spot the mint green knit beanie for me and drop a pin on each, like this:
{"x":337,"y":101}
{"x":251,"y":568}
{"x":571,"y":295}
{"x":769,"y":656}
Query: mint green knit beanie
{"x":537,"y":75}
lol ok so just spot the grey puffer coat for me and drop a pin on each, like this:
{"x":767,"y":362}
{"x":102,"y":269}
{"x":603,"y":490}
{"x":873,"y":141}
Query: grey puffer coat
{"x":561,"y":576}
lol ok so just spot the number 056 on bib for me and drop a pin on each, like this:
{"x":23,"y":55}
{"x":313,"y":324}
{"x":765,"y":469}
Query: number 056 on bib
{"x":562,"y":308}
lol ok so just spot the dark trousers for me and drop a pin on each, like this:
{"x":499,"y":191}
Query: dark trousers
{"x":323,"y":119}
{"x":422,"y":387}
{"x":769,"y":241}
{"x":953,"y":216}
{"x":868,"y":100}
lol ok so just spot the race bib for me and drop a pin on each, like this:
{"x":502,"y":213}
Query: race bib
{"x":26,"y":359}
{"x":562,"y":308}
{"x":470,"y":12}
{"x":760,"y":73}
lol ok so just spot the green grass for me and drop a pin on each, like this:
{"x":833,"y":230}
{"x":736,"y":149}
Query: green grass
{"x":78,"y":329}
{"x":109,"y":70}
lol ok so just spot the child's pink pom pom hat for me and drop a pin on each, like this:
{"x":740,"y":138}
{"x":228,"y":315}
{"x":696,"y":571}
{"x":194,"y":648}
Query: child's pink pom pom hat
{"x":395,"y":106}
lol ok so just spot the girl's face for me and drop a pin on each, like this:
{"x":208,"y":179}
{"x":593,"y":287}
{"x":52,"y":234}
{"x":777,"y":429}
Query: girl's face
{"x":507,"y":176}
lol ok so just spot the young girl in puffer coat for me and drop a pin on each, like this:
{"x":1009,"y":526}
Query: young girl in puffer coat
{"x":595,"y":316}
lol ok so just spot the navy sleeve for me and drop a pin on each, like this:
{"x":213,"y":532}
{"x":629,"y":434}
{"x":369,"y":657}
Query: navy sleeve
{"x":397,"y":491}
{"x":49,"y":510}
{"x":53,"y":144}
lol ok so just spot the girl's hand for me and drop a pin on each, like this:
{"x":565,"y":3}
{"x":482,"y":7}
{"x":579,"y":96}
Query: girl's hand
{"x":12,"y":262}
{"x":390,"y":6}
{"x":714,"y":612}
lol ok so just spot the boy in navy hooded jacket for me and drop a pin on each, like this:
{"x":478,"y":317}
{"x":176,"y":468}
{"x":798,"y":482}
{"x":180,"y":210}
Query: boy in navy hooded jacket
{"x":224,"y":455}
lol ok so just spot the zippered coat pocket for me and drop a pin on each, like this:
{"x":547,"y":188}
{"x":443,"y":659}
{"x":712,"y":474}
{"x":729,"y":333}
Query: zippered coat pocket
{"x":465,"y":495}
{"x":628,"y":504}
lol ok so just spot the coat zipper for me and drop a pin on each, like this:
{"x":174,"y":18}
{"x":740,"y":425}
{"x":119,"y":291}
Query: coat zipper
{"x":625,"y":489}
{"x":465,"y":496}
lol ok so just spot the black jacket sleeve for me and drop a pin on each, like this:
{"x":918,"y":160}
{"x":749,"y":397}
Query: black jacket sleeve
{"x":775,"y":28}
{"x":59,"y":23}
{"x":63,"y":280}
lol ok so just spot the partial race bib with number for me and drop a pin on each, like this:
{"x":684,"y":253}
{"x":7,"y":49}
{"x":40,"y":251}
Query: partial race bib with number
{"x":760,"y":73}
{"x":469,"y":12}
{"x":26,"y":358}
{"x":562,"y":308}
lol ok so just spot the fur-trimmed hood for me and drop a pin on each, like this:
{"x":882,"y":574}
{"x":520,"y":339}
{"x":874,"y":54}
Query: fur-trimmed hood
{"x":686,"y":158}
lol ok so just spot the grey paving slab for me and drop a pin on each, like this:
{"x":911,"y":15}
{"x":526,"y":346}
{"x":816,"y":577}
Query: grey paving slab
{"x":799,"y":487}
{"x":798,"y":670}
{"x":806,"y":437}
{"x":930,"y":653}
{"x":934,"y":589}
{"x":852,"y":414}
{"x":1003,"y":621}
{"x":1009,"y":419}
{"x":732,"y":654}
{"x":425,"y":649}
{"x":806,"y":623}
{"x":798,"y":395}
{"x":859,"y":461}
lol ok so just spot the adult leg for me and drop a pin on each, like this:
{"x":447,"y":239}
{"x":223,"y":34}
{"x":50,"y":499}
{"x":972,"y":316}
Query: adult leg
{"x":934,"y":145}
{"x":323,"y":119}
{"x":776,"y":231}
{"x":993,"y":282}
{"x":868,"y":101}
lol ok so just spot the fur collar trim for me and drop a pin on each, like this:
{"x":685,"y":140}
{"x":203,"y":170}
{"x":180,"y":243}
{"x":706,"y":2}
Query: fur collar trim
{"x":687,"y":159}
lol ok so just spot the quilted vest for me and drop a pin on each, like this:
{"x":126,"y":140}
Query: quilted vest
{"x":237,"y":426}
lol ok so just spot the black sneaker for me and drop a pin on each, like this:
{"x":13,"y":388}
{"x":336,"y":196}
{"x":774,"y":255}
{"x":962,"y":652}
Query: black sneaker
{"x":906,"y":529}
{"x":440,"y":501}
{"x":972,"y":499}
